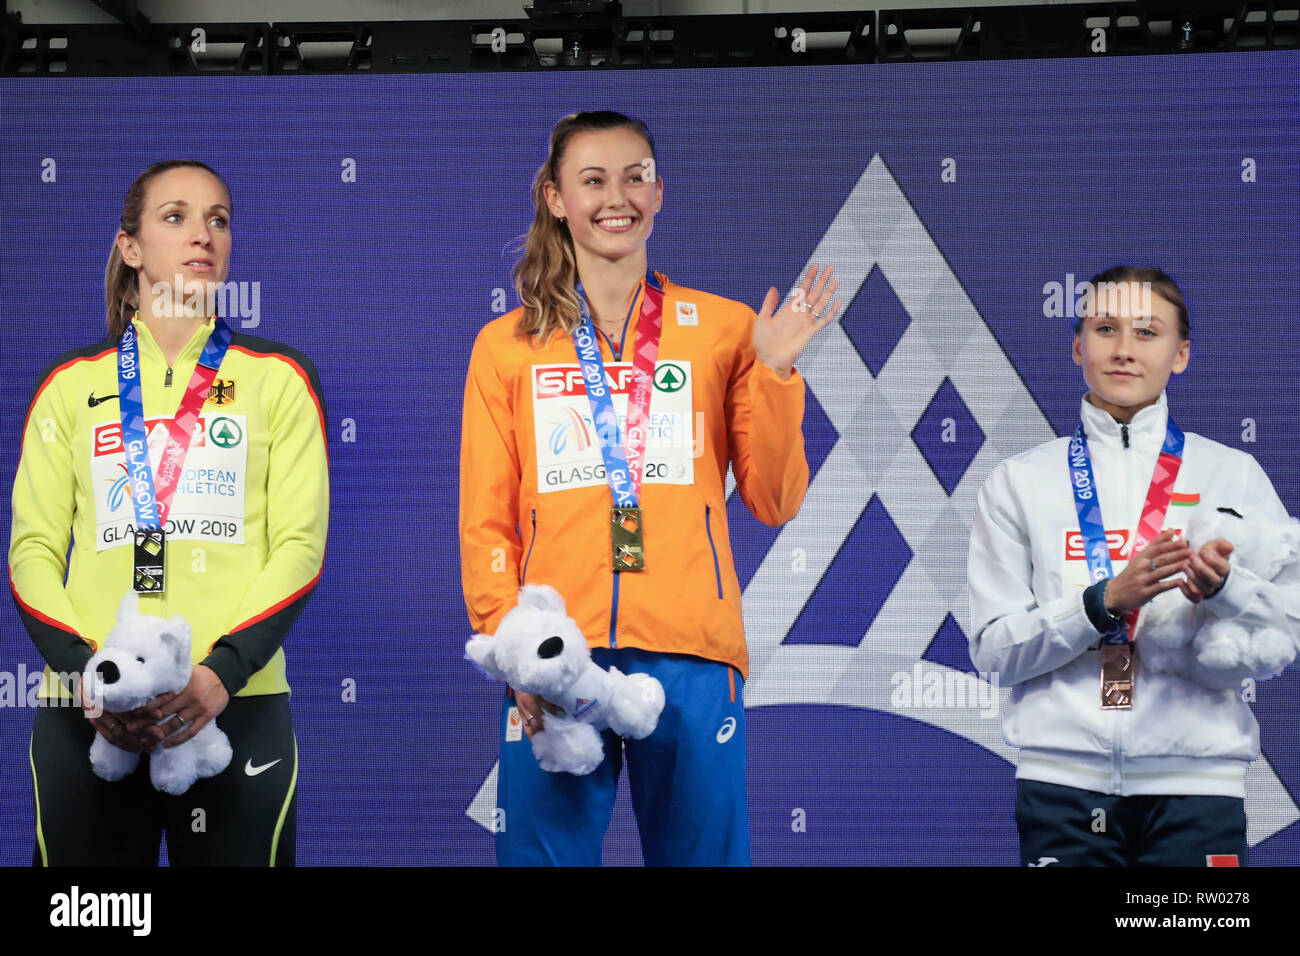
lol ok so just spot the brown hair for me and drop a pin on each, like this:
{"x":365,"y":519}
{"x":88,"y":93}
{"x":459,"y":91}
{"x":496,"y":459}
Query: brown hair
{"x":1161,"y":284}
{"x":121,"y":282}
{"x":546,"y":273}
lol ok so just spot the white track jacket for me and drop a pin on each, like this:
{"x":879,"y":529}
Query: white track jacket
{"x":1027,"y":574}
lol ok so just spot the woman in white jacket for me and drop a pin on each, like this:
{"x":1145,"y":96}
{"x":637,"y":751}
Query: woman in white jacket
{"x":1131,"y":583}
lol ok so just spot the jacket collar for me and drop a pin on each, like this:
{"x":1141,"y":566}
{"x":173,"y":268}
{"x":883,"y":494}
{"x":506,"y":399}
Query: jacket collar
{"x":193,"y":349}
{"x":1146,"y":430}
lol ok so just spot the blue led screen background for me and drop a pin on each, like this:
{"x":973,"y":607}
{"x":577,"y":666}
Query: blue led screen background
{"x":947,"y":195}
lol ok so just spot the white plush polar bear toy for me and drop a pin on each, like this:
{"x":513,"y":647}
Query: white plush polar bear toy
{"x":539,"y":649}
{"x":1220,"y":653}
{"x":142,"y":657}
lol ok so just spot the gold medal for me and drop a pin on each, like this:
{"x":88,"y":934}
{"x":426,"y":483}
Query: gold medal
{"x":626,"y":541}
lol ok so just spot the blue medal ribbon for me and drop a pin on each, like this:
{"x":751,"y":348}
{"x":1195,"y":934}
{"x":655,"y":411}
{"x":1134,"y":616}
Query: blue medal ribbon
{"x":135,"y":436}
{"x":1087,"y":504}
{"x":603,"y":415}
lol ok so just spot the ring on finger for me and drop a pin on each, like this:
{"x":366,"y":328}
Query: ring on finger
{"x":1153,"y":564}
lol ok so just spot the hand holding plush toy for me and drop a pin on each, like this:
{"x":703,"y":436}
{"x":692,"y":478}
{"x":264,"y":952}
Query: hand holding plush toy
{"x":538,"y":649}
{"x":142,"y":657}
{"x":1178,"y":636}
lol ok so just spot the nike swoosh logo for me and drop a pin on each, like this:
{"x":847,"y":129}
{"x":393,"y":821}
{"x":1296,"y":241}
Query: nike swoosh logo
{"x":254,"y":771}
{"x":92,"y":401}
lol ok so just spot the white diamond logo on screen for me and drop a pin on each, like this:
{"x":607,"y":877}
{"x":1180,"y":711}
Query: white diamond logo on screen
{"x":944,"y":344}
{"x":945,"y":338}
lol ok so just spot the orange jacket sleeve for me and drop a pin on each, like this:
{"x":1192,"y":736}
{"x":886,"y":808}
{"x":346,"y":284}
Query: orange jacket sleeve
{"x":490,"y":548}
{"x":765,"y":434}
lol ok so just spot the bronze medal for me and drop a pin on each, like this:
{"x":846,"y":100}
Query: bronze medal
{"x":1118,"y":675}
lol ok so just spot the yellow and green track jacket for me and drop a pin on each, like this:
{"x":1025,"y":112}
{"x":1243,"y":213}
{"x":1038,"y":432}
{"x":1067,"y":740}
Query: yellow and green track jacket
{"x":246,"y":531}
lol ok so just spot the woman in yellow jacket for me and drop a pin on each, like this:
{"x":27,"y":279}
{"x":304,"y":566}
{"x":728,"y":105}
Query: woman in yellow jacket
{"x":694,"y":382}
{"x":243,"y":542}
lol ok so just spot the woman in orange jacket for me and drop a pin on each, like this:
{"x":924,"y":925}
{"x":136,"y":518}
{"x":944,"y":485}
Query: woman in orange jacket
{"x":692,"y":382}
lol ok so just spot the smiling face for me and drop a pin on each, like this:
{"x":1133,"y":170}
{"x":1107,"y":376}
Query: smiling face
{"x":184,"y":231}
{"x":606,"y":192}
{"x":1128,"y":345}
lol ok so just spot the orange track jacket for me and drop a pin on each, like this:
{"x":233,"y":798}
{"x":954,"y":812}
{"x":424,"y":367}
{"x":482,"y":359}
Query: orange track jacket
{"x":535,"y":505}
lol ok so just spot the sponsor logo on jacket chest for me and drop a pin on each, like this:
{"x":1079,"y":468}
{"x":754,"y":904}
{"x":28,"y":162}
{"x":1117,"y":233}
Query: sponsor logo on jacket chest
{"x":209,"y":500}
{"x":568,"y":447}
{"x":1120,"y":542}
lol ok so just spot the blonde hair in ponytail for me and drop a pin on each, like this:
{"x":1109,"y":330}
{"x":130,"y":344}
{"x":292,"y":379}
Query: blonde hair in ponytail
{"x":121,"y":282}
{"x":546,"y":274}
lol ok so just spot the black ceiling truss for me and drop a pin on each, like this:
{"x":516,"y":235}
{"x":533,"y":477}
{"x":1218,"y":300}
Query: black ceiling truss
{"x":595,"y":35}
{"x":125,"y":11}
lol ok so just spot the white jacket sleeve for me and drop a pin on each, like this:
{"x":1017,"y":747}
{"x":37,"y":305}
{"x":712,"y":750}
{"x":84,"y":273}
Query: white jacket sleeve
{"x":1011,"y":634}
{"x":1247,"y":598}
